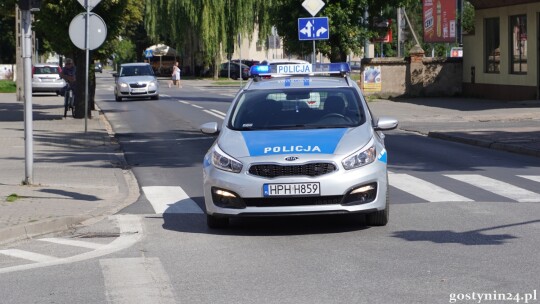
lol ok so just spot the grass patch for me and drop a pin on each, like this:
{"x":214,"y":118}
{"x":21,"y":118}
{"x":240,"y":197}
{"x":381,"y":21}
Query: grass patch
{"x":12,"y":197}
{"x":8,"y":86}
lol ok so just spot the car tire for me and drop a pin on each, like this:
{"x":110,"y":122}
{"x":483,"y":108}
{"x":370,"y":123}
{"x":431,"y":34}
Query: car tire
{"x":155,"y":97}
{"x":380,"y":217}
{"x":245,"y":78}
{"x":215,"y":222}
{"x":234,"y":77}
{"x":118,"y":98}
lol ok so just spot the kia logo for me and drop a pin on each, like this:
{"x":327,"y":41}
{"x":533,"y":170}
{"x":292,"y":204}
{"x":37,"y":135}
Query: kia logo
{"x":291,"y":158}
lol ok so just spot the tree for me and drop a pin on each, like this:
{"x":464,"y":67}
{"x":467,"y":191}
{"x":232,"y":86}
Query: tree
{"x":348,"y":30}
{"x":205,"y":29}
{"x":7,"y":31}
{"x":52,"y":24}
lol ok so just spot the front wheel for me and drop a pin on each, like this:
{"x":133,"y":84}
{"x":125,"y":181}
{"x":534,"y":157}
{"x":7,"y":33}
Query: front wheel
{"x":117,"y":98}
{"x":380,"y":217}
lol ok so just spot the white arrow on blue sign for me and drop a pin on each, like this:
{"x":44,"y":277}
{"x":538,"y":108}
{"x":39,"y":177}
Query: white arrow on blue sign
{"x":313,"y":28}
{"x":148,"y":53}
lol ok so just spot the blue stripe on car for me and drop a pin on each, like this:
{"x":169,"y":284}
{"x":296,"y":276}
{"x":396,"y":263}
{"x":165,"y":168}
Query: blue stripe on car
{"x":323,"y":141}
{"x":382,"y":156}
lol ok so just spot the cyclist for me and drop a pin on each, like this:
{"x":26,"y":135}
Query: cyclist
{"x":68,"y":74}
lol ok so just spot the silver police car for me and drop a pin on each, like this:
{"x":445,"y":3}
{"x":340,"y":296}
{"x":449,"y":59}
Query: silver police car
{"x":302,"y":144}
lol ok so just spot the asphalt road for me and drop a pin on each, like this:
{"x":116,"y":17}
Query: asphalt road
{"x":478,"y":235}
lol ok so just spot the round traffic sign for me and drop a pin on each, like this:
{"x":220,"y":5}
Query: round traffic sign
{"x":97,"y":31}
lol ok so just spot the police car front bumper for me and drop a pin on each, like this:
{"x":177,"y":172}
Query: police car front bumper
{"x":343,"y":191}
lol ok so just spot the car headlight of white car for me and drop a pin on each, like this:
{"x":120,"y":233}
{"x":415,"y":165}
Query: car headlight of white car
{"x":360,"y":158}
{"x":152,"y":84}
{"x":224,"y":162}
{"x":123,"y":85}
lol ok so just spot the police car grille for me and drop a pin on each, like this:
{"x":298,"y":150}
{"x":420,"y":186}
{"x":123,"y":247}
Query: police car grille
{"x":313,"y":169}
{"x":292,"y":201}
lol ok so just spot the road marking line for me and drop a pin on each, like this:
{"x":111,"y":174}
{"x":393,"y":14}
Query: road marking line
{"x":171,"y":199}
{"x":218,"y":112}
{"x":131,"y":232}
{"x":423,"y":189}
{"x":497,"y":187}
{"x":136,"y":280}
{"x":27,"y":255}
{"x":197,"y":106}
{"x":535,"y":178}
{"x":212,"y":113}
{"x":184,"y":102}
{"x":75,"y":243}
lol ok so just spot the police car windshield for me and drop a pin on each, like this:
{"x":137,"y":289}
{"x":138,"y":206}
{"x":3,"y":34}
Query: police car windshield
{"x":297,"y":109}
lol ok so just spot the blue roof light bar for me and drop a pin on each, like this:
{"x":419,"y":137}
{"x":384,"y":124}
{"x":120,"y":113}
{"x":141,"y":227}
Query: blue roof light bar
{"x":300,"y":69}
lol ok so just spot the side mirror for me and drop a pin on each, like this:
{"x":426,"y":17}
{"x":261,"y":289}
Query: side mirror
{"x":211,"y":128}
{"x":385,"y":123}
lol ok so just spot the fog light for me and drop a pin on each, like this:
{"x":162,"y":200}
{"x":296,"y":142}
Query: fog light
{"x":361,"y":195}
{"x":227,"y":199}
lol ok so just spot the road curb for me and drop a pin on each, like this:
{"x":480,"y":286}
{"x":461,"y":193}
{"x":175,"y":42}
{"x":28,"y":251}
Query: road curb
{"x":486,"y":143}
{"x":27,"y":231}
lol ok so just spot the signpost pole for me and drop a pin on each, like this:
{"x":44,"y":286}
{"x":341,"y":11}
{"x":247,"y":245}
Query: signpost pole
{"x":86,"y":47}
{"x":27,"y":67}
{"x":314,"y":59}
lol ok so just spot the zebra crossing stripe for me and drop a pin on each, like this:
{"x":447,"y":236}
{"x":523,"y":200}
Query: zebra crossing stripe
{"x":424,"y":190}
{"x":497,"y":187}
{"x":170,"y":199}
{"x":136,"y":280}
{"x":27,"y":255}
{"x":535,"y":178}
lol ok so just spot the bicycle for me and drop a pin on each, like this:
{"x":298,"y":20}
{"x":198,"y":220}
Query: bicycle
{"x":69,"y":101}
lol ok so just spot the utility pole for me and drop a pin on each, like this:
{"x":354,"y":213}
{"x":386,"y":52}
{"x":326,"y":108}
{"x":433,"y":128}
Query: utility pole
{"x":26,"y":7}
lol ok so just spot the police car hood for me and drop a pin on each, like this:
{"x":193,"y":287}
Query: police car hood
{"x":313,"y":141}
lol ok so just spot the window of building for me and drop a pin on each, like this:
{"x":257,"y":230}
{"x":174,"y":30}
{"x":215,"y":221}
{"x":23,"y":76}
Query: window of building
{"x":492,"y":51}
{"x":518,"y":44}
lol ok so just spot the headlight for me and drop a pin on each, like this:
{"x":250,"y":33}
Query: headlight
{"x":123,"y":85}
{"x":360,"y":158}
{"x":224,"y":162}
{"x":152,"y":84}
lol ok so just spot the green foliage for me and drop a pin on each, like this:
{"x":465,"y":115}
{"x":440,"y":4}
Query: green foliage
{"x":125,"y":52}
{"x":7,"y":86}
{"x":12,"y":197}
{"x":7,"y":31}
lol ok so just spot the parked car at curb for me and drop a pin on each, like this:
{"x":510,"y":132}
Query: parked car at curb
{"x":135,"y":80}
{"x":234,"y":70}
{"x":46,"y":78}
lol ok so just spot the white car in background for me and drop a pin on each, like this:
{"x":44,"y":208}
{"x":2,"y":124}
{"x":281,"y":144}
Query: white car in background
{"x":135,"y":80}
{"x":46,"y":78}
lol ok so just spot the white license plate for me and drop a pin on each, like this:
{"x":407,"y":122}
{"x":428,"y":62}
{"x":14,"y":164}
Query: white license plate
{"x":291,"y":189}
{"x":138,"y":90}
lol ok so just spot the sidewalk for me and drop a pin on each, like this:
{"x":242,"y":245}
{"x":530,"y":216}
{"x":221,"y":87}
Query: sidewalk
{"x":512,"y":126}
{"x":79,"y":178}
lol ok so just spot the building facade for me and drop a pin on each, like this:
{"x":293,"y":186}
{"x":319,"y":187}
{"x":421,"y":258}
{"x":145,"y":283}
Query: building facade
{"x":501,"y":57}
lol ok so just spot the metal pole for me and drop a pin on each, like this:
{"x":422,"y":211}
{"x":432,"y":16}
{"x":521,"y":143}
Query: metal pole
{"x":366,"y":24}
{"x":86,"y":45}
{"x":410,"y":27}
{"x":314,"y":59}
{"x":27,"y":66}
{"x":399,"y":31}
